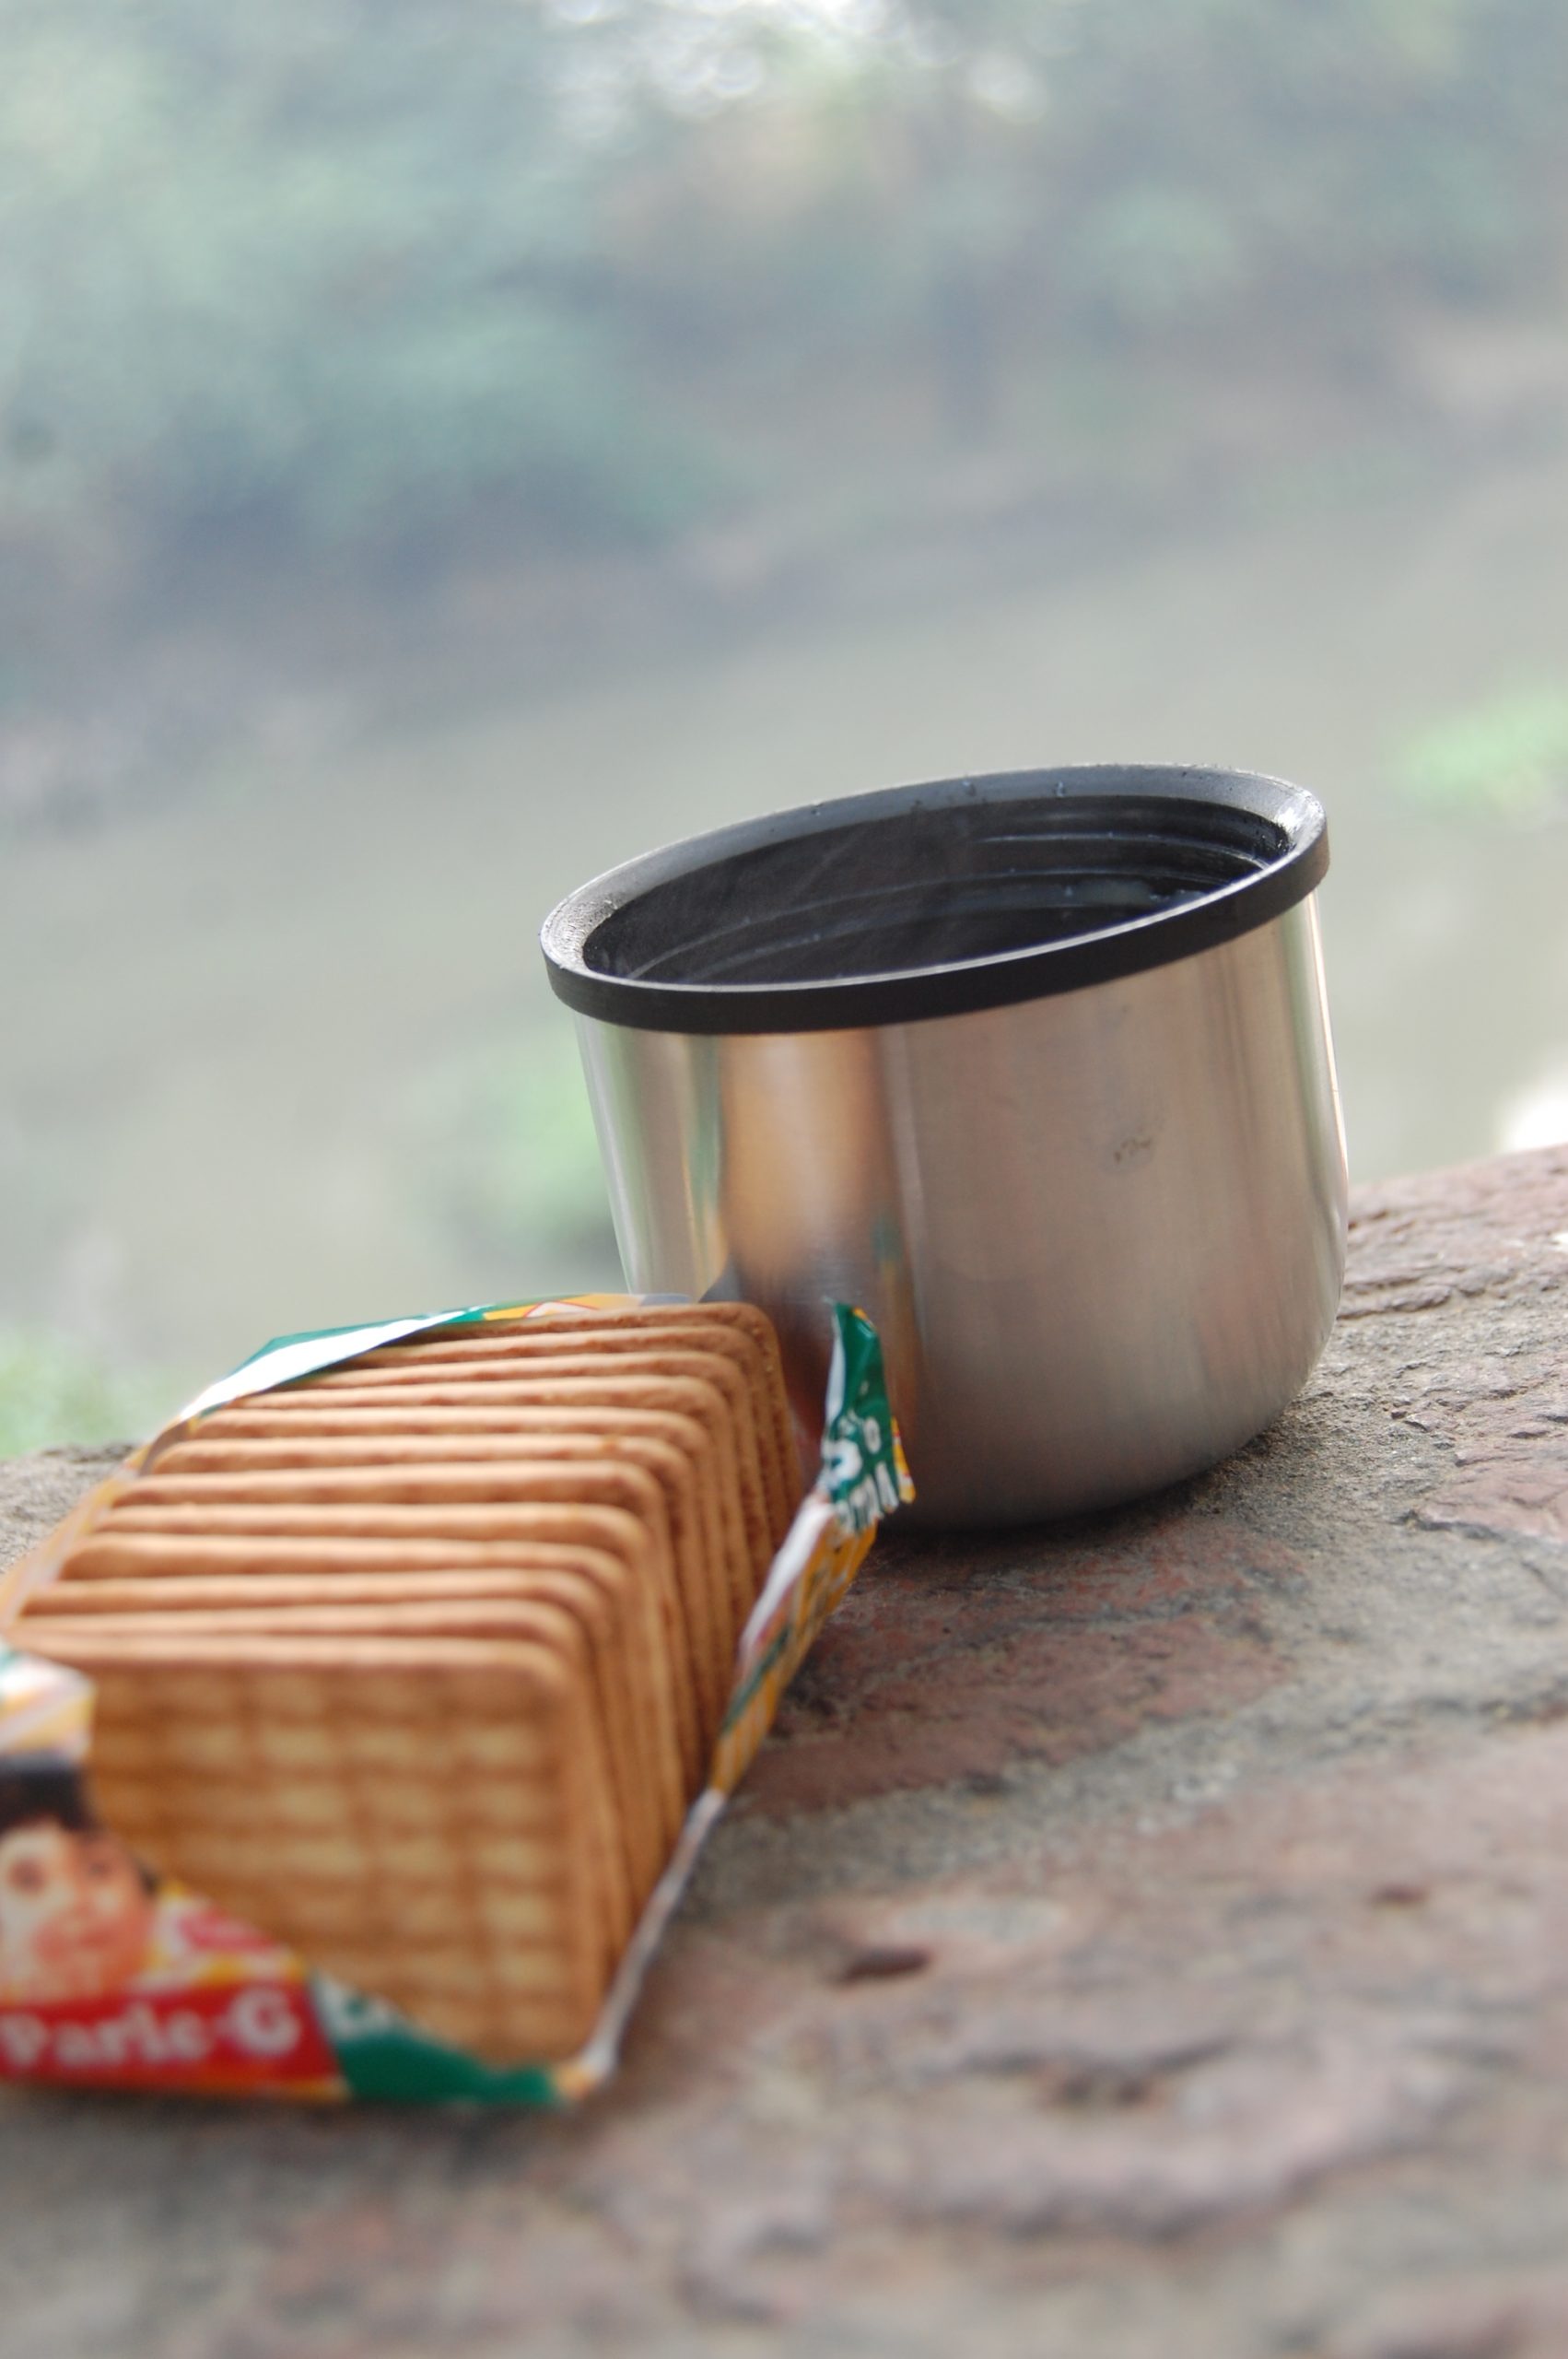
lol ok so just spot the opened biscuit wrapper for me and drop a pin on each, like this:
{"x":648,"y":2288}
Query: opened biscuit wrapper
{"x":112,"y":1974}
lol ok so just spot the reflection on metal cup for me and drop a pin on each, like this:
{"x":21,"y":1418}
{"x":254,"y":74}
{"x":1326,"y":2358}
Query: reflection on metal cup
{"x":1035,"y":1068}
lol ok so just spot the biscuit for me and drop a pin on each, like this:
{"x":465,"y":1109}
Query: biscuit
{"x":541,"y":1502}
{"x":705,"y":1448}
{"x":416,"y":1821}
{"x":139,"y":1571}
{"x":694,"y":1543}
{"x":476,"y":1347}
{"x":702,"y":1383}
{"x":736,"y":1331}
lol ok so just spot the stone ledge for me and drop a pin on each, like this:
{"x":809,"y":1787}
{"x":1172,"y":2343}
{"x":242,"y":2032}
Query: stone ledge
{"x":1150,"y":1936}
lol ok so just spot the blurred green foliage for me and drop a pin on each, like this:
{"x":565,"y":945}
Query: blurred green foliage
{"x":367,"y":275}
{"x":53,"y":1390}
{"x":501,"y":1147}
{"x":1506,"y":756}
{"x":321,"y":270}
{"x":535,"y":1170}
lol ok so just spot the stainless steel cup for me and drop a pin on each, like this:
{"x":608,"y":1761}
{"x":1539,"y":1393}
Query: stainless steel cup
{"x":1035,"y":1068}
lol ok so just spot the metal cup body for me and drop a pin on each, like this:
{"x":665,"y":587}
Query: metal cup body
{"x":1101,"y":1231}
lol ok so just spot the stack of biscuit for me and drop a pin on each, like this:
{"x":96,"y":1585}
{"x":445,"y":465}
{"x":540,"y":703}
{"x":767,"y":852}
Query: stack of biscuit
{"x":416,"y":1665}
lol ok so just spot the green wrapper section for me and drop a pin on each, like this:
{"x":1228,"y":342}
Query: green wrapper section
{"x":383,"y":2056}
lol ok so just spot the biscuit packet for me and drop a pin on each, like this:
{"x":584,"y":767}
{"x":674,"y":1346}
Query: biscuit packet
{"x":439,"y":1646}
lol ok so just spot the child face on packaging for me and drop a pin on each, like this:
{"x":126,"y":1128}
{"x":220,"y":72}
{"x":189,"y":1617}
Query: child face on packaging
{"x":74,"y":1915}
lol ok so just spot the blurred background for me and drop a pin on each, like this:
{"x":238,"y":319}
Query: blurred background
{"x":448,"y":446}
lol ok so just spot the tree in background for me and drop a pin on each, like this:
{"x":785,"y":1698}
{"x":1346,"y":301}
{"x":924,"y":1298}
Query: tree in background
{"x":375,"y":277}
{"x":328,"y":271}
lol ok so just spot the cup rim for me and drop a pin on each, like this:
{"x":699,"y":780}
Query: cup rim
{"x":961,"y":986}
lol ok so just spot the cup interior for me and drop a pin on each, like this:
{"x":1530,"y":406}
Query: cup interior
{"x":930,"y":886}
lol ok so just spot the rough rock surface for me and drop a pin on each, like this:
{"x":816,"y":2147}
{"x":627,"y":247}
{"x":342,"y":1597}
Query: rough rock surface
{"x":1149,"y":1937}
